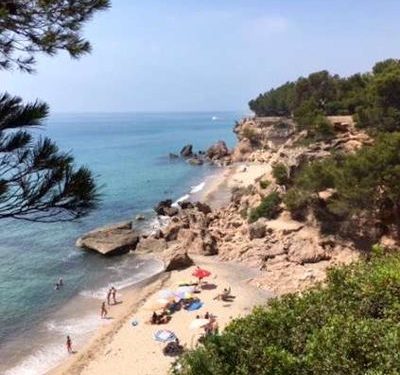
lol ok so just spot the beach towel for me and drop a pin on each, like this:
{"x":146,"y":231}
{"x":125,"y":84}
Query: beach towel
{"x":164,"y":335}
{"x":195,"y":306}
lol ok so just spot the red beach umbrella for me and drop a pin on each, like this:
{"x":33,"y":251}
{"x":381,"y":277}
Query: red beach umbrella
{"x":201,"y":273}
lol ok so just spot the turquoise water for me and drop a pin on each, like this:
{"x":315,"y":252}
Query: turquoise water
{"x":128,"y":154}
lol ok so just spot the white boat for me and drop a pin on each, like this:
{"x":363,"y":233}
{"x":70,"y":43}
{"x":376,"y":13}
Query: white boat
{"x":214,"y":118}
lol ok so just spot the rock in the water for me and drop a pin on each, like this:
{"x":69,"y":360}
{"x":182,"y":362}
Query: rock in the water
{"x":162,"y":205}
{"x":195,"y":161}
{"x":218,"y":150}
{"x":257,"y":229}
{"x":111,"y":240}
{"x":140,"y":217}
{"x":187,"y":151}
{"x":176,"y":258}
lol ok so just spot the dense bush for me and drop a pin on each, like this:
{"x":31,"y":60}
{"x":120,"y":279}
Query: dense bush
{"x":268,"y":208}
{"x":349,"y":327}
{"x":280,"y":173}
{"x":251,"y":135}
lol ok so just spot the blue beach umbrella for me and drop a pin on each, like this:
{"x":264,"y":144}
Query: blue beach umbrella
{"x":164,"y":335}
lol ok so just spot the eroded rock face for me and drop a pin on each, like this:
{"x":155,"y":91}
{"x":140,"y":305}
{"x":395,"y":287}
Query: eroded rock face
{"x":151,"y":245}
{"x":110,"y":240}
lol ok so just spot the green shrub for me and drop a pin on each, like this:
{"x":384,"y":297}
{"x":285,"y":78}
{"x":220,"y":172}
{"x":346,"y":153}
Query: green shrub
{"x":280,"y":173}
{"x":349,"y":327}
{"x":268,"y":208}
{"x":264,"y":184}
{"x":296,"y":202}
{"x":250,"y":134}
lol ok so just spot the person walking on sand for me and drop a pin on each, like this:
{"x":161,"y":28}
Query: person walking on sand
{"x":114,"y":295}
{"x":104,"y":311}
{"x":69,"y":345}
{"x":109,"y":296}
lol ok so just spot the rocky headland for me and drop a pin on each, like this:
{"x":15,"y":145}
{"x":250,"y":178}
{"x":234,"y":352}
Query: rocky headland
{"x":291,"y":253}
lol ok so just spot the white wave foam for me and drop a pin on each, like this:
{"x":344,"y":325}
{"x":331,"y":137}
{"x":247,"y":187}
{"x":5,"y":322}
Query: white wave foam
{"x":101,"y":293}
{"x":197,"y":188}
{"x":181,"y":199}
{"x":76,"y":326}
{"x":39,"y":362}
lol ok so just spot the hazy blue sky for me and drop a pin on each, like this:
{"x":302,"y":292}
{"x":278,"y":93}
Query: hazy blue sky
{"x":173,"y":55}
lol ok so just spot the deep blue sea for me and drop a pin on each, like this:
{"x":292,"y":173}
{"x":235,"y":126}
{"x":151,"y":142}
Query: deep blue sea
{"x":129,"y":155}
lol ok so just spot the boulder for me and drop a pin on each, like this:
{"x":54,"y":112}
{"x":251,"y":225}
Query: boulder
{"x":171,"y":211}
{"x":185,"y":204}
{"x":110,"y":240}
{"x":204,"y":244}
{"x":218,"y":151}
{"x":176,"y":258}
{"x":162,"y":205}
{"x":303,"y":251}
{"x":257,"y":229}
{"x":173,"y":156}
{"x":187,"y":151}
{"x":171,"y":232}
{"x":203,"y":207}
{"x":140,"y":217}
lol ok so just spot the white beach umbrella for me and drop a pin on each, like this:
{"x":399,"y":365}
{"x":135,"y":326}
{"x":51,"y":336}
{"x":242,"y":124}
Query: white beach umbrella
{"x":166,"y":293}
{"x":198,"y":323}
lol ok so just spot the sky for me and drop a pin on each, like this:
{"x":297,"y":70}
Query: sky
{"x":208,"y":55}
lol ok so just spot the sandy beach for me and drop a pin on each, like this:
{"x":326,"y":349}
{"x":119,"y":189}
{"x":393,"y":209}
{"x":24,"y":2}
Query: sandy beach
{"x":121,"y":348}
{"x":118,"y":347}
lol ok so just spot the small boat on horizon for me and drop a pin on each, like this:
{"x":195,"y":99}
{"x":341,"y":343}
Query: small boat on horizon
{"x":214,"y":118}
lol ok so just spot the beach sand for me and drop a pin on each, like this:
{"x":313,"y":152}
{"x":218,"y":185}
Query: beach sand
{"x":217,"y":191}
{"x":121,"y":348}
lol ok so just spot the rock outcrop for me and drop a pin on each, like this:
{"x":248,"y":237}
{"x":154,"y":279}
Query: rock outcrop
{"x":187,"y":151}
{"x":176,"y":258}
{"x":110,"y":240}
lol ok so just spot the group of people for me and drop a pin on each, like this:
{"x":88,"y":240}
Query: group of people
{"x":111,"y":294}
{"x":162,"y":318}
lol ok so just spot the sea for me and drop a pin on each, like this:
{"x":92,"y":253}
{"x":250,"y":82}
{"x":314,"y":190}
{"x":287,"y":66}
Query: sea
{"x":129,"y":155}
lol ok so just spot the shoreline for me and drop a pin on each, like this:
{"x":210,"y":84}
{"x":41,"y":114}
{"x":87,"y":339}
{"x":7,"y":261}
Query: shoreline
{"x":134,"y":346}
{"x":216,"y":193}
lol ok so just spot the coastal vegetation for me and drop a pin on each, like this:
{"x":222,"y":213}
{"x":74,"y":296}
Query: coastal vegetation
{"x":38,"y":182}
{"x":349,"y":326}
{"x":268,"y":208}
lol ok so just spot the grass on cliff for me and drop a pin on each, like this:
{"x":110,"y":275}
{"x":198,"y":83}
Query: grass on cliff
{"x":349,"y":327}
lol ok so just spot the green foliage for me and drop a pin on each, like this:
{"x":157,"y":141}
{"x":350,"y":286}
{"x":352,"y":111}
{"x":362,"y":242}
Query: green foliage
{"x":280,"y":173}
{"x":264,"y":184}
{"x":268,"y":208}
{"x":364,"y":182}
{"x":29,"y":27}
{"x":349,"y":327}
{"x":37,"y":181}
{"x":296,"y":202}
{"x":250,"y":134}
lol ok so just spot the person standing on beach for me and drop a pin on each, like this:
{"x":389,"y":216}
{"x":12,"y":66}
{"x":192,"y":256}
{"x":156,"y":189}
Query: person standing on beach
{"x":69,"y":345}
{"x":109,"y":296}
{"x":104,"y":311}
{"x":114,"y":295}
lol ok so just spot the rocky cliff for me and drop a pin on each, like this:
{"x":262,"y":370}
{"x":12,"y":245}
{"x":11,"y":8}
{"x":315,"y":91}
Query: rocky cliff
{"x":291,"y":254}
